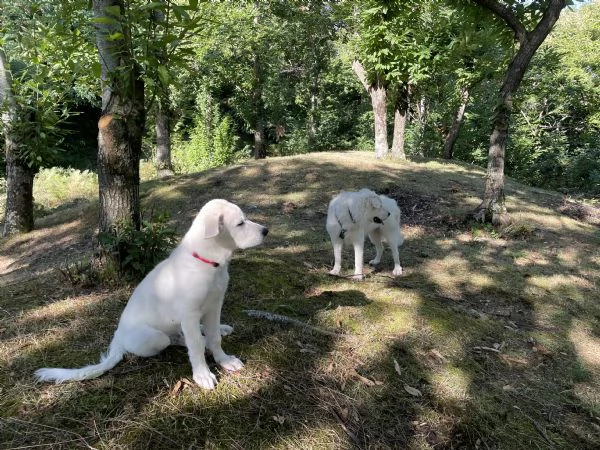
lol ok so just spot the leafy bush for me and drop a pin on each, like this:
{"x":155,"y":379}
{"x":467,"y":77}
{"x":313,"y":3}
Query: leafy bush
{"x":212,"y":142}
{"x":137,"y":252}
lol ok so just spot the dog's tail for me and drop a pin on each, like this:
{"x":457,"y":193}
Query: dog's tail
{"x":108,"y":360}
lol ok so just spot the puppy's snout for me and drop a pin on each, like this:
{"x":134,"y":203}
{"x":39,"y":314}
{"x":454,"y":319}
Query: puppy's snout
{"x":264,"y":231}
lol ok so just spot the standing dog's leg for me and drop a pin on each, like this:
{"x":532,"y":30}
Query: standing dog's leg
{"x":396,"y":254}
{"x":195,"y":343}
{"x":395,"y":240}
{"x":359,"y":245}
{"x":375,"y":238}
{"x":337,"y":244}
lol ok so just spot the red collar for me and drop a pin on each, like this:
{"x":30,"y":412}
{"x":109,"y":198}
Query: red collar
{"x":204,"y":260}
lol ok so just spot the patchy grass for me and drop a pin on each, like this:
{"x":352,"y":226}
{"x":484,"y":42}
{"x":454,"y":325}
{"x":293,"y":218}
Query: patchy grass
{"x":490,"y":339}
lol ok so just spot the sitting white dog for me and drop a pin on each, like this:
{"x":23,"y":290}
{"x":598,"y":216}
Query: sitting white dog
{"x":181,"y":293}
{"x":351,"y":215}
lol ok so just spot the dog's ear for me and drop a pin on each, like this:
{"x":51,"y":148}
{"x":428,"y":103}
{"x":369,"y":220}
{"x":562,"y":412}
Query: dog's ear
{"x":375,"y":201}
{"x":212,"y":225}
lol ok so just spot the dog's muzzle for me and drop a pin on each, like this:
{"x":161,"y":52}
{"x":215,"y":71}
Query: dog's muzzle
{"x":378,"y":220}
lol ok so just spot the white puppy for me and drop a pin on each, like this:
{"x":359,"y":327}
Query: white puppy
{"x":178,"y":295}
{"x":351,"y":215}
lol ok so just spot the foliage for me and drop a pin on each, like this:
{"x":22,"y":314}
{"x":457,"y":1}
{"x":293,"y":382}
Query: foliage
{"x":556,"y":133}
{"x":212,"y":142}
{"x":49,"y":56}
{"x":136,"y":252}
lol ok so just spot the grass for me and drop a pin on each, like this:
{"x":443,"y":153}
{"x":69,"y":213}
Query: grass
{"x":490,"y":339}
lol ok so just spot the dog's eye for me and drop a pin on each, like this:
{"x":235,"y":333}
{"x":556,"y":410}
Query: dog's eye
{"x":241,"y":223}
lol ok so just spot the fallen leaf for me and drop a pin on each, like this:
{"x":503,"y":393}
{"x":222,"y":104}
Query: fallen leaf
{"x":177,"y":387}
{"x":435,"y":354}
{"x":397,"y":367}
{"x":413,"y":391}
{"x":363,"y":379}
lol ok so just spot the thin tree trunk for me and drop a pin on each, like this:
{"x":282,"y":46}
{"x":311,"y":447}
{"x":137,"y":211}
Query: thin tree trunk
{"x":164,"y":167}
{"x":377,"y":91}
{"x":457,"y":121}
{"x":400,"y":119}
{"x":19,"y":176}
{"x":259,"y":109}
{"x":313,"y":122}
{"x":259,"y":139}
{"x":120,"y":125}
{"x":493,"y":204}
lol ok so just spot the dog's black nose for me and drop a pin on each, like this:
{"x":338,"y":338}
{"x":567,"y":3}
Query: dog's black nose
{"x":377,"y":220}
{"x":265,"y":231}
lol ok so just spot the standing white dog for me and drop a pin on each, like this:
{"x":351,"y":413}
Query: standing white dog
{"x":351,"y":215}
{"x":178,"y":295}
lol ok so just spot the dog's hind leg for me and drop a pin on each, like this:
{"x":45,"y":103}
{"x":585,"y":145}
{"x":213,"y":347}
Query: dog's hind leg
{"x":359,"y":244}
{"x":337,"y":256}
{"x":178,"y":339}
{"x":375,"y":238}
{"x":396,"y":254}
{"x":143,"y":341}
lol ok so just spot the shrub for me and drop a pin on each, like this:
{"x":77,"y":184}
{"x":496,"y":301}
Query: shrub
{"x":133,"y":252}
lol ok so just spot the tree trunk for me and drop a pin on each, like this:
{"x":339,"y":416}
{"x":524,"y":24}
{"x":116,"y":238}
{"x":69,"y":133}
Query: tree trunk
{"x":456,"y":124}
{"x":120,"y":125}
{"x":18,"y":215}
{"x":164,"y":167}
{"x":259,"y":108}
{"x":400,"y":119}
{"x":377,"y":91}
{"x":493,"y":204}
{"x":313,"y":119}
{"x":19,"y":191}
{"x":259,"y":138}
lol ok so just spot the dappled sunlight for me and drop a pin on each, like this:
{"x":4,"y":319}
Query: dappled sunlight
{"x":451,"y":383}
{"x":568,"y":286}
{"x":586,"y":344}
{"x":70,"y":306}
{"x":451,"y":271}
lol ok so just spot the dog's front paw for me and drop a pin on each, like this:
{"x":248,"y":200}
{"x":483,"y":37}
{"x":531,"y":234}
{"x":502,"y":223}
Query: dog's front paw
{"x":230,"y":363}
{"x":397,"y":271}
{"x":226,"y":330}
{"x":205,"y":378}
{"x":357,"y":277}
{"x":335,"y":271}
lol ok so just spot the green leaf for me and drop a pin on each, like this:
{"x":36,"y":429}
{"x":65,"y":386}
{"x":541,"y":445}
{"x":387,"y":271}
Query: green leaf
{"x":113,"y":10}
{"x":105,"y":20}
{"x":163,"y":75}
{"x":96,"y":69}
{"x":115,"y":36}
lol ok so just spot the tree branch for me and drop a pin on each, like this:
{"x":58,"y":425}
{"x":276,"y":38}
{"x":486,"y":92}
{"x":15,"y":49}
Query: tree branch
{"x":359,"y":70}
{"x":507,"y":15}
